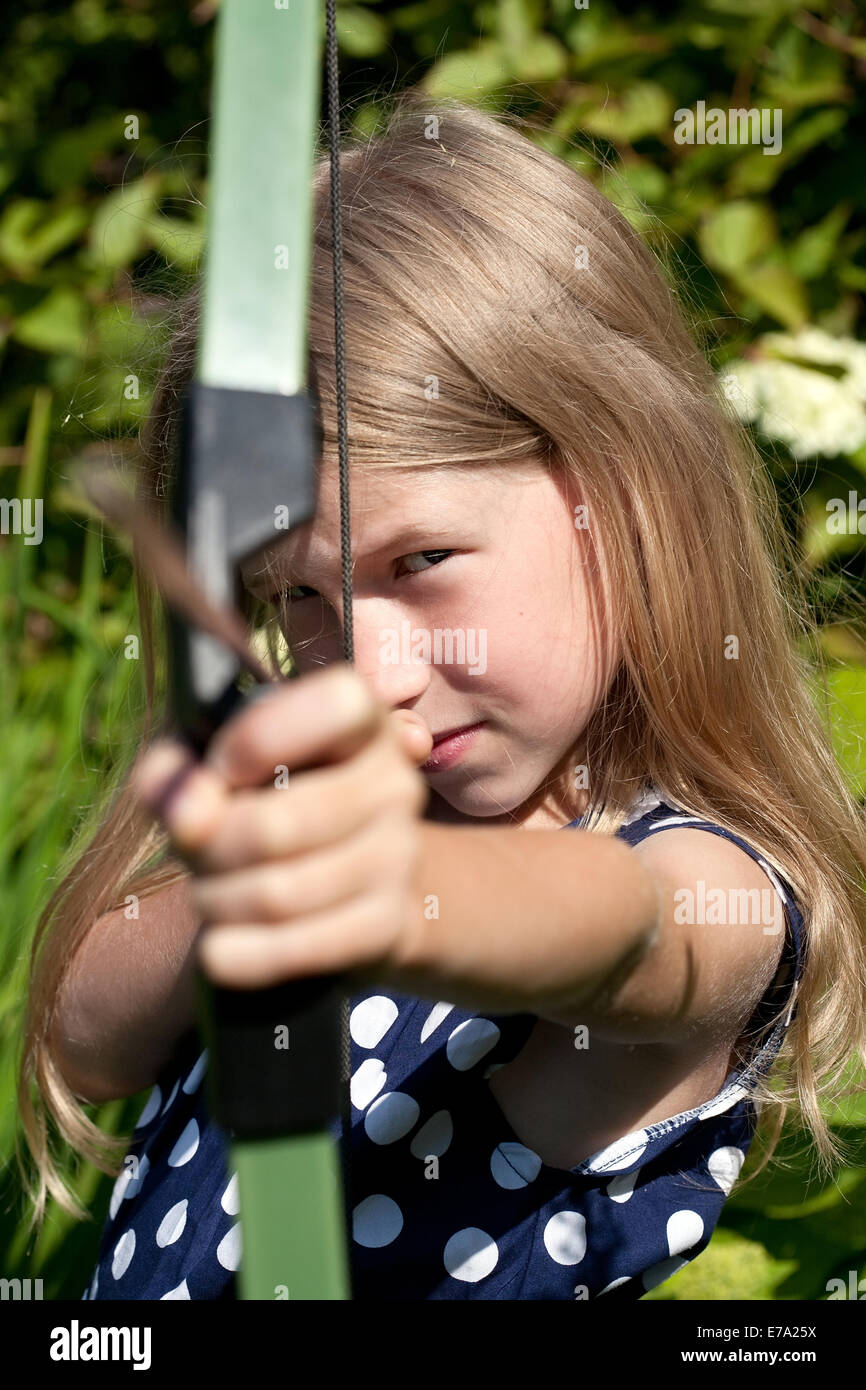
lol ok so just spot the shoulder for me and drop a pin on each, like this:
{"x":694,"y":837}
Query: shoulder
{"x":721,"y":930}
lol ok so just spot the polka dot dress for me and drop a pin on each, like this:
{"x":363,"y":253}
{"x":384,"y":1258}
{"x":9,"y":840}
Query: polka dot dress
{"x":447,"y":1202}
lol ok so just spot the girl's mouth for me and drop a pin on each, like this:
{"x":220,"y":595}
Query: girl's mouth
{"x":449,"y":747}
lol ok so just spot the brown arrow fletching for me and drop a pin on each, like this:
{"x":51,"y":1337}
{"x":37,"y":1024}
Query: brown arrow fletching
{"x":161,"y":552}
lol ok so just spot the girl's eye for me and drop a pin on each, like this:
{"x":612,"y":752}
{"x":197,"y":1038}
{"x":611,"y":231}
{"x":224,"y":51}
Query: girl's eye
{"x":424,"y":554}
{"x":296,"y":593}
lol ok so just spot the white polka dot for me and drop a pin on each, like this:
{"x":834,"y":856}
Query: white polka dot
{"x":614,"y":1284}
{"x":724,"y":1165}
{"x":621,"y":1154}
{"x":95,"y":1285}
{"x":367,"y":1082}
{"x":434,"y":1018}
{"x":185,"y":1147}
{"x":180,"y":1292}
{"x":620,"y":1189}
{"x":127,"y":1185}
{"x":565,"y":1237}
{"x":154,"y":1101}
{"x":657,"y":1274}
{"x":229,"y":1249}
{"x":193,"y":1081}
{"x":134,"y":1185}
{"x":433,"y":1137}
{"x":514,"y":1165}
{"x":118,"y":1192}
{"x":684,"y":1229}
{"x":390,"y":1117}
{"x":471,"y":1041}
{"x":174,"y":1091}
{"x":123,"y":1253}
{"x":230,"y":1201}
{"x":376,"y":1221}
{"x":470,"y":1255}
{"x":370,"y":1020}
{"x":172,"y":1224}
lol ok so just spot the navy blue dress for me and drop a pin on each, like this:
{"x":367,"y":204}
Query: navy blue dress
{"x":448,"y":1203}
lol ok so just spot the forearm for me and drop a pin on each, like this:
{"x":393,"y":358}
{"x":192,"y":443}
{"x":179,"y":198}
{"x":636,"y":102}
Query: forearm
{"x":129,"y":995}
{"x":543,"y":922}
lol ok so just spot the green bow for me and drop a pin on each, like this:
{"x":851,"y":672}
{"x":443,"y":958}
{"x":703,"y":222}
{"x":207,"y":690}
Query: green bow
{"x":250,"y":442}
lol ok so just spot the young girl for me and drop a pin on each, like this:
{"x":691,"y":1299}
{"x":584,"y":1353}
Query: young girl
{"x":560,"y":1044}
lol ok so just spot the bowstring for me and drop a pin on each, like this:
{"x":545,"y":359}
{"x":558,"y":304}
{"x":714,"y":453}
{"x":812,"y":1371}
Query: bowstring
{"x":332,"y":75}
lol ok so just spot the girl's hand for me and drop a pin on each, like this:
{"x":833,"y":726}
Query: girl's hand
{"x":302,"y":830}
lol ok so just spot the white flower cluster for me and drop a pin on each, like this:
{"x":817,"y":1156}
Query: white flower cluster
{"x":809,"y":410}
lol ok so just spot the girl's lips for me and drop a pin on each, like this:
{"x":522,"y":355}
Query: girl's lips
{"x":449,"y":748}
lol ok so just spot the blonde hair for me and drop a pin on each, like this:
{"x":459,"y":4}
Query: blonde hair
{"x":460,"y":265}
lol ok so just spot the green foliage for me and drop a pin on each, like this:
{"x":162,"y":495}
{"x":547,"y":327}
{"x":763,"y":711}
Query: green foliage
{"x":103,"y":135}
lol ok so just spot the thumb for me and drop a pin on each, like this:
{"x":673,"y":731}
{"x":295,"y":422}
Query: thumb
{"x":415,"y":738}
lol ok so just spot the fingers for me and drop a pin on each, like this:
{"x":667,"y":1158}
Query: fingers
{"x":182,"y":791}
{"x":218,"y":830}
{"x":286,"y":889}
{"x":311,"y":811}
{"x":356,"y":937}
{"x":323,"y":718}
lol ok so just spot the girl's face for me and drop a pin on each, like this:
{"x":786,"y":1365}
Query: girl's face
{"x":476,"y":602}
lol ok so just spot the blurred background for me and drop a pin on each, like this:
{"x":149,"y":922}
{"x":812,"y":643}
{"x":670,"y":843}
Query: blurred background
{"x":104,"y":120}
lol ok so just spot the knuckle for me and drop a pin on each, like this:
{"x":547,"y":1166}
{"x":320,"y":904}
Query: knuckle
{"x":273,"y":894}
{"x":351,"y":696}
{"x":275,"y":828}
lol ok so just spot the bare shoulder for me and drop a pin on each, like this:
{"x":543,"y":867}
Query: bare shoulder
{"x":721,"y":932}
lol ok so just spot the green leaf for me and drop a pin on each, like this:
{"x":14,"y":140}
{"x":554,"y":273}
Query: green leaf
{"x":645,"y":109}
{"x":468,"y":75}
{"x":542,"y":59}
{"x":178,"y":241}
{"x":775,"y":290}
{"x":361,"y":34}
{"x":57,"y":324}
{"x":66,"y":159}
{"x":31,"y":232}
{"x":810,"y":254}
{"x":736,"y":234}
{"x":756,"y":172}
{"x":853,"y":277}
{"x":119,"y":231}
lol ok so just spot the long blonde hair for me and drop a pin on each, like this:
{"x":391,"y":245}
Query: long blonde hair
{"x":476,"y":259}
